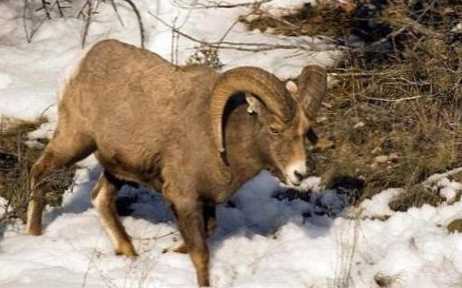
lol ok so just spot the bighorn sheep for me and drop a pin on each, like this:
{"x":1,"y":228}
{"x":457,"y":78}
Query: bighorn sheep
{"x":179,"y":130}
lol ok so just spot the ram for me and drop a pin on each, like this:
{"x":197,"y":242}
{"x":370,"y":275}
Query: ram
{"x":192,"y":133}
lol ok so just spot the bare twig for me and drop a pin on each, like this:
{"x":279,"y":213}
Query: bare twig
{"x":222,"y":38}
{"x":215,"y":4}
{"x":395,"y":100}
{"x":81,"y":12}
{"x":29,"y":33}
{"x":45,"y":8}
{"x":140,"y":21}
{"x":89,"y":4}
{"x":24,"y":20}
{"x":116,"y":11}
{"x":91,"y":10}
{"x":244,"y":46}
{"x":174,"y":44}
{"x":358,"y":73}
{"x":60,"y":8}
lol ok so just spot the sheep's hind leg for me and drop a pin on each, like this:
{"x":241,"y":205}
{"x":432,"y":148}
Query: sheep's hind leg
{"x":103,"y":198}
{"x":63,"y":150}
{"x":190,"y":219}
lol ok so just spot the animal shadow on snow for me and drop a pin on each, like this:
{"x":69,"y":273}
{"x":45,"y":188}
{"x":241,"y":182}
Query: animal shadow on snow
{"x":260,"y":207}
{"x":132,"y":201}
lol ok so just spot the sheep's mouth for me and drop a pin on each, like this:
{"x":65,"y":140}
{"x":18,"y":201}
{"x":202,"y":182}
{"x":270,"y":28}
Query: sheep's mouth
{"x":284,"y":179}
{"x":289,"y":183}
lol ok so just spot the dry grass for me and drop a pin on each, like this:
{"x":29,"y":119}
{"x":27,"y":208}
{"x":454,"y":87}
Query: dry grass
{"x":16,"y":159}
{"x":310,"y":20}
{"x":395,"y":112}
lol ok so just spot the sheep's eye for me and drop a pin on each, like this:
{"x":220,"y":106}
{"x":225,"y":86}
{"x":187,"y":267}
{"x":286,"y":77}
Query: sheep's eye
{"x":274,"y":131}
{"x":311,"y":136}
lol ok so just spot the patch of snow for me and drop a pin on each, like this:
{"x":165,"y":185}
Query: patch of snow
{"x":448,"y":189}
{"x":46,"y":129}
{"x":283,"y":7}
{"x":378,"y":204}
{"x":260,"y":241}
{"x":3,"y":206}
{"x":5,"y":80}
{"x":457,"y":28}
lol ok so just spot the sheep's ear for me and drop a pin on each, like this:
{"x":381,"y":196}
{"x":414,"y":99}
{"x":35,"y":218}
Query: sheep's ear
{"x":312,"y":87}
{"x":254,"y":105}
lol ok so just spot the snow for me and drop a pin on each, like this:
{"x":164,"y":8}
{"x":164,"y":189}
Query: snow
{"x":284,"y":7}
{"x":3,"y":205}
{"x":448,"y":189}
{"x":378,"y":205}
{"x":263,"y":240}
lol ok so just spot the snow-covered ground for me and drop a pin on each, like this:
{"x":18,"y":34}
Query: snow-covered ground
{"x":261,"y":241}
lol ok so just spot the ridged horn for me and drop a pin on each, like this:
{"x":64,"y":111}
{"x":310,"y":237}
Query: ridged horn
{"x":262,"y":84}
{"x":312,"y":87}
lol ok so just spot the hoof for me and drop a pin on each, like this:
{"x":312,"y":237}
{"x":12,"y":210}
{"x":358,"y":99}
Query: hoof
{"x":126,"y":250}
{"x":183,"y":249}
{"x":34,"y":230}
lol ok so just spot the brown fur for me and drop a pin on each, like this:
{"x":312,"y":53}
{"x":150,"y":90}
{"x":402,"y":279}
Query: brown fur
{"x":147,"y":122}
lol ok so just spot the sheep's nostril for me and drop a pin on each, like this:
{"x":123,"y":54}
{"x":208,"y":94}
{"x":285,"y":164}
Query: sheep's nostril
{"x":299,"y":176}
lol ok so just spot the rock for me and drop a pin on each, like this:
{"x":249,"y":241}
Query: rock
{"x":381,"y":159}
{"x":393,"y":157}
{"x":376,"y":150}
{"x":455,"y":226}
{"x":359,"y":125}
{"x":383,"y":280}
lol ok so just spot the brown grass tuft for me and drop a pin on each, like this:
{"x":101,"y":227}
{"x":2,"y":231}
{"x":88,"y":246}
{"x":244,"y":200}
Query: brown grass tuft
{"x":310,"y":20}
{"x":16,"y":159}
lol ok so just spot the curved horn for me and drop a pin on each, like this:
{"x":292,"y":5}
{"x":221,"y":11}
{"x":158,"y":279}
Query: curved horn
{"x":262,"y":84}
{"x":312,"y":87}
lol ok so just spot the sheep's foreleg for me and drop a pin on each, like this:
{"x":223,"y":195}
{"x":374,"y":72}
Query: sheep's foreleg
{"x":210,"y":219}
{"x":210,"y":224}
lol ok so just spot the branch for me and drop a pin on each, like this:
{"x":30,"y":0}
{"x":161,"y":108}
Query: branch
{"x":140,"y":22}
{"x":87,"y":22}
{"x":395,"y":100}
{"x":116,"y":11}
{"x":24,"y":20}
{"x":250,"y":47}
{"x":45,"y":8}
{"x":220,"y":6}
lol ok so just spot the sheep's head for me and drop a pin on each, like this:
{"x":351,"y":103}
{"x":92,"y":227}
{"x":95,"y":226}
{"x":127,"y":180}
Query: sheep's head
{"x":286,"y":120}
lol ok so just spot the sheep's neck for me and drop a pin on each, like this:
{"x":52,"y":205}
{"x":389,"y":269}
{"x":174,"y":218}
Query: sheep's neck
{"x":243,"y":151}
